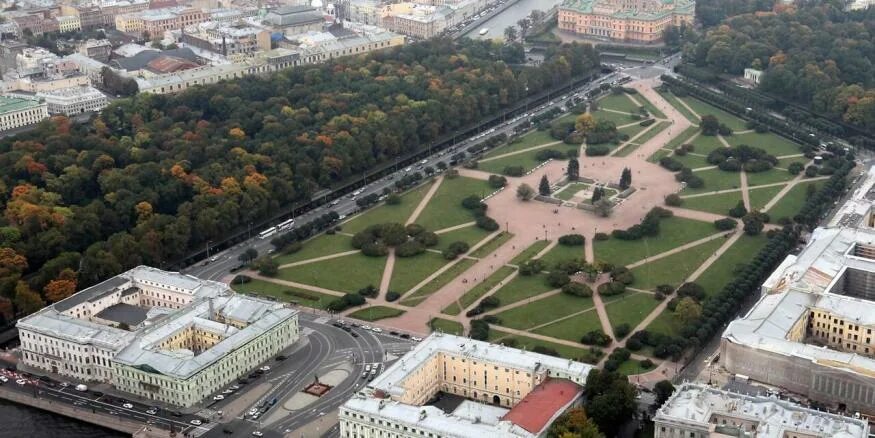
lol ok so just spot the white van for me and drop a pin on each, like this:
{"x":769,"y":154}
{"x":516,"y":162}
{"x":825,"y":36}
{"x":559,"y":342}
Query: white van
{"x":81,"y":388}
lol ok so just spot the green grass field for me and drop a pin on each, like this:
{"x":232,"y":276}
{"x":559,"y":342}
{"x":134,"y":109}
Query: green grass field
{"x":658,"y":155}
{"x":438,"y":282}
{"x":522,"y":287}
{"x":715,"y":180}
{"x":561,"y":253}
{"x":376,"y":313}
{"x":702,"y":108}
{"x":529,"y":140}
{"x":632,"y":367}
{"x":674,"y":232}
{"x":305,"y":298}
{"x":445,"y":209}
{"x":530,"y":252}
{"x":528,"y":160}
{"x":785,"y":162}
{"x":572,"y":329}
{"x":492,"y":245}
{"x":774,"y":144}
{"x":760,"y":197}
{"x":666,"y":324}
{"x":446,"y":326}
{"x":619,"y":119}
{"x":704,"y":144}
{"x":682,"y":138}
{"x":344,"y":274}
{"x":673,"y":100}
{"x":527,"y":343}
{"x":768,"y":177}
{"x":319,"y":246}
{"x":388,"y":213}
{"x":717,"y":204}
{"x":674,"y":268}
{"x":410,"y":271}
{"x":692,"y":161}
{"x":618,"y":102}
{"x":654,"y":111}
{"x":543,"y":311}
{"x":470,"y":235}
{"x":721,"y":271}
{"x":630,"y":309}
{"x":480,"y":289}
{"x":653,"y":130}
{"x":789,"y":205}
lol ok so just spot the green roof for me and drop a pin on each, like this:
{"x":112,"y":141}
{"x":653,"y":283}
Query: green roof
{"x":586,"y":7}
{"x":10,"y":104}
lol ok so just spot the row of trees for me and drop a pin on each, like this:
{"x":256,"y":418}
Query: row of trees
{"x":155,"y":176}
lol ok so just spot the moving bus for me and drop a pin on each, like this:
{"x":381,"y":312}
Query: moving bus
{"x":267,"y":233}
{"x":285,"y":225}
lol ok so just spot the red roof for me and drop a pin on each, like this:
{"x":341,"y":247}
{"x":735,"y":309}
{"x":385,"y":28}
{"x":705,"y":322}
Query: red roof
{"x":534,"y":412}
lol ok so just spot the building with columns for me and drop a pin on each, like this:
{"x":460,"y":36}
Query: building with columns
{"x":639,"y":21}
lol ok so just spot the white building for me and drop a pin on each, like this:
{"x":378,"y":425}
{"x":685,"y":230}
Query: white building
{"x":163,"y":336}
{"x":74,"y":100}
{"x":699,"y":411}
{"x":753,"y":75}
{"x":507,"y":392}
{"x":16,"y":112}
{"x":811,"y":332}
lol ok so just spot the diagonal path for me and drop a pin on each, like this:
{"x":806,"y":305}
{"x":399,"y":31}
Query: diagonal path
{"x":388,"y":269}
{"x":425,"y":200}
{"x":455,"y":227}
{"x":323,"y":290}
{"x":521,"y":151}
{"x":676,"y":250}
{"x":319,"y":259}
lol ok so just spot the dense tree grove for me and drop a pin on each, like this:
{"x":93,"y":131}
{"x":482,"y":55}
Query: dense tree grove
{"x":814,"y":53}
{"x":155,"y":176}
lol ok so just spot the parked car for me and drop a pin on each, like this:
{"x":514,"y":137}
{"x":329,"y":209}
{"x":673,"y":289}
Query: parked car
{"x":152,"y":411}
{"x":196,"y":422}
{"x":128,"y":406}
{"x":219,"y":397}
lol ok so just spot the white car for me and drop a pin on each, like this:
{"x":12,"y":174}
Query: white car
{"x":377,"y":330}
{"x":4,"y":379}
{"x":235,"y":387}
{"x":265,"y":368}
{"x":152,"y":411}
{"x":219,"y":397}
{"x":227,"y":391}
{"x":366,"y":327}
{"x":252,"y":412}
{"x":21,"y":381}
{"x":128,"y":406}
{"x":196,"y":422}
{"x":257,"y":433}
{"x":416,"y":338}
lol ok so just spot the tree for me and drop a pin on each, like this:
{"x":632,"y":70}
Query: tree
{"x":525,"y":192}
{"x":597,"y":193}
{"x":497,"y":181}
{"x":795,"y":168}
{"x":393,"y":199}
{"x":673,"y":200}
{"x":510,"y":34}
{"x":688,"y":310}
{"x":544,"y":186}
{"x":266,"y":266}
{"x":753,"y":224}
{"x":709,"y":125}
{"x":249,"y":255}
{"x":584,"y":123}
{"x":574,"y":424}
{"x":663,"y":389}
{"x":26,"y":300}
{"x":57,"y":290}
{"x":626,"y":178}
{"x":573,"y":169}
{"x":739,"y":210}
{"x":610,"y":400}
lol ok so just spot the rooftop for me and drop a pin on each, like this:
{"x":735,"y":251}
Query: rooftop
{"x":124,"y":313}
{"x":642,"y":9}
{"x":537,"y":410}
{"x":696,"y":403}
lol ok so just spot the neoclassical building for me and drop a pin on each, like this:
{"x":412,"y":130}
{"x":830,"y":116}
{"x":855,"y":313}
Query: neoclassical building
{"x":162,"y":336}
{"x":641,"y":21}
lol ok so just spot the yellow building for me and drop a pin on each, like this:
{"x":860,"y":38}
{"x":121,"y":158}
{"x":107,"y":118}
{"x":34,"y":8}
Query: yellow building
{"x":129,"y":23}
{"x":69,"y":23}
{"x":624,"y":20}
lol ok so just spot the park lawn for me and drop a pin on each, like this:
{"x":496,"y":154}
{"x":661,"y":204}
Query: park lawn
{"x":774,"y":144}
{"x":632,"y":130}
{"x":573,"y":328}
{"x":452,"y":309}
{"x":666,"y":323}
{"x":522,"y":287}
{"x":692,"y":161}
{"x":717,"y":204}
{"x":632,"y":367}
{"x":410,"y":271}
{"x":376,"y":313}
{"x":447,"y":326}
{"x":438,"y":282}
{"x":792,"y":202}
{"x":524,"y":342}
{"x":658,"y":155}
{"x":562,"y":252}
{"x":530,"y":252}
{"x":618,"y":102}
{"x":532,"y":139}
{"x":543,"y":311}
{"x":704,"y":144}
{"x":674,"y":232}
{"x":470,"y":235}
{"x":527,"y":160}
{"x":785,"y":162}
{"x":676,"y":103}
{"x":715,"y":180}
{"x":618,"y":118}
{"x":651,"y":131}
{"x":445,"y":209}
{"x":651,"y":108}
{"x":388,"y":213}
{"x":322,"y":245}
{"x":481,"y":288}
{"x":630,"y":309}
{"x":768,"y":177}
{"x":492,"y":245}
{"x":569,"y":190}
{"x":675,"y":268}
{"x":281,"y":292}
{"x":722,"y":270}
{"x":682,"y":138}
{"x":343,"y":274}
{"x":760,"y":197}
{"x":702,"y":108}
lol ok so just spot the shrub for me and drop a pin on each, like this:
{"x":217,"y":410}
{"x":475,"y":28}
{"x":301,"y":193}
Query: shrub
{"x":497,"y":181}
{"x":514,"y":171}
{"x":671,"y":164}
{"x":374,"y":249}
{"x":611,"y":288}
{"x":427,"y":239}
{"x":292,"y":248}
{"x":392,"y":296}
{"x":531,"y":267}
{"x":558,"y":278}
{"x":572,"y":240}
{"x":471,"y":202}
{"x":345,"y":302}
{"x":738,"y":211}
{"x":393,"y":199}
{"x":693,"y":290}
{"x":369,"y":291}
{"x":549,"y":154}
{"x":811,"y":171}
{"x":577,"y":289}
{"x":725,"y":224}
{"x":647,"y":122}
{"x":596,"y":337}
{"x":479,"y":330}
{"x":674,"y":200}
{"x":623,"y":275}
{"x":409,"y":249}
{"x":601,"y":236}
{"x":241,"y":279}
{"x":487,"y":223}
{"x":795,"y":168}
{"x":414,"y":230}
{"x":646,"y":364}
{"x":621,"y":330}
{"x":597,"y":150}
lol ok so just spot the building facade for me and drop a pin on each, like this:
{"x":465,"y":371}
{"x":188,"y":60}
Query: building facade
{"x":641,"y":21}
{"x":16,"y":112}
{"x":74,"y":100}
{"x":163,"y":336}
{"x":699,"y":411}
{"x":507,"y":392}
{"x":69,"y":23}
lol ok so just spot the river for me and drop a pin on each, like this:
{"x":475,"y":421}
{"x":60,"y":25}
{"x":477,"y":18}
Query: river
{"x":22,"y":421}
{"x":510,"y":16}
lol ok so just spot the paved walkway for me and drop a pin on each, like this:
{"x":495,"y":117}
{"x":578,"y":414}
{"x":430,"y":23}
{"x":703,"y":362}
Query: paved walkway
{"x":388,"y":269}
{"x":319,"y":259}
{"x":425,"y":199}
{"x":676,"y":250}
{"x":521,"y":151}
{"x":456,"y":227}
{"x":294,"y":284}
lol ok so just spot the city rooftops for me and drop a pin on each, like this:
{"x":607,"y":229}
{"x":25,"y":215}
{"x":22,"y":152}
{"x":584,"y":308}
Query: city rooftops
{"x":391,"y":381}
{"x":697,"y":404}
{"x":10,"y":104}
{"x":537,"y":410}
{"x":650,"y":10}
